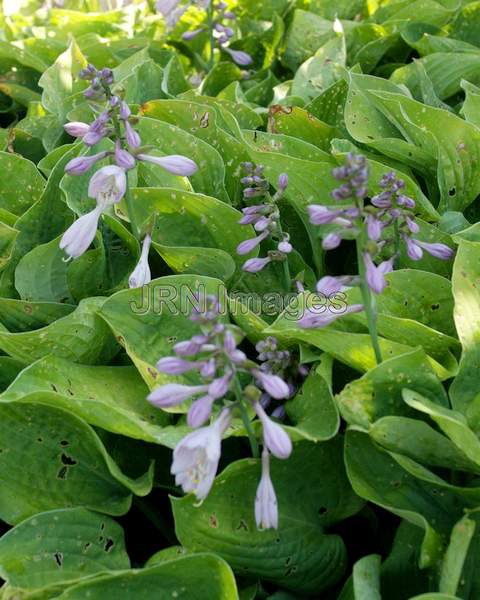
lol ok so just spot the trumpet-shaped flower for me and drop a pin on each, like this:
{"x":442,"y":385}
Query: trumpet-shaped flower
{"x":266,"y":509}
{"x":196,"y":456}
{"x":81,"y":233}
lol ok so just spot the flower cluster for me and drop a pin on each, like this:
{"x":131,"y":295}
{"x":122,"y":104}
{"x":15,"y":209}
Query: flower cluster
{"x":222,"y":33}
{"x":264,"y":217}
{"x":378,"y":228}
{"x":214,"y":355}
{"x":109,"y":184}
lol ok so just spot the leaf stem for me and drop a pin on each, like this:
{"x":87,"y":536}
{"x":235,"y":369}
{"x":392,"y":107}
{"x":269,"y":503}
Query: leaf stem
{"x":246,"y":421}
{"x":368,"y":303}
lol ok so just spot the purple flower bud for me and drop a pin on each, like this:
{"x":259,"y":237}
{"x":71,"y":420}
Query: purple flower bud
{"x":262,"y":223}
{"x":414,"y":251}
{"x":318,"y":320}
{"x":375,"y":276}
{"x":241,"y":58}
{"x":279,"y":412}
{"x":114,"y":100}
{"x":285,"y":247}
{"x":78,"y":237}
{"x":81,"y":164}
{"x":132,"y":137}
{"x":208,"y":369}
{"x":436,"y":249}
{"x":229,"y":15}
{"x":321,"y":215}
{"x":374,"y":228}
{"x":275,"y":437}
{"x":94,"y":136}
{"x":123,"y":158}
{"x":332,"y":285}
{"x":249,"y":219}
{"x":248,"y":245}
{"x":273,"y":384}
{"x":172,"y":394}
{"x":331,"y":241}
{"x":125,"y":111}
{"x":403,"y":200}
{"x":76,"y":128}
{"x":229,"y":342}
{"x":200,"y":411}
{"x":189,"y":35}
{"x":219,"y":387}
{"x":175,"y":366}
{"x":266,"y":509}
{"x":254,"y":265}
{"x":412,"y":226}
{"x":176,"y":164}
{"x":282,"y":182}
{"x":382,"y":200}
{"x":187,"y":348}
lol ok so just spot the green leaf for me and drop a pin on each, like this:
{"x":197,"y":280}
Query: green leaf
{"x":465,"y":389}
{"x":67,"y":465}
{"x":379,"y":392}
{"x":224,"y":523}
{"x":306,"y":33}
{"x":366,"y":578}
{"x":41,"y":275}
{"x":58,"y":547}
{"x":376,"y":476}
{"x":455,"y":556}
{"x":80,"y":336}
{"x":184,"y":219}
{"x":312,"y":410}
{"x":149,"y":321}
{"x":169,"y":139}
{"x":201,"y":576}
{"x":321,"y":70}
{"x":60,"y":81}
{"x":113,"y":398}
{"x":22,"y":184}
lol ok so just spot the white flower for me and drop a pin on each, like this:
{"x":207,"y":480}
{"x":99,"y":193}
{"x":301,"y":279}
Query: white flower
{"x":81,"y":233}
{"x":141,"y":275}
{"x":108,"y":185}
{"x":266,"y":509}
{"x":195,"y":458}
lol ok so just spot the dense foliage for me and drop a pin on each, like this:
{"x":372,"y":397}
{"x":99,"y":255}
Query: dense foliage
{"x":182,"y":184}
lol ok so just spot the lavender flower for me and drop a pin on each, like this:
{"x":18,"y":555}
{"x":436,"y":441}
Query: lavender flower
{"x":78,"y":237}
{"x":141,"y":274}
{"x":195,"y":458}
{"x":82,"y":164}
{"x":243,"y":59}
{"x":275,"y":437}
{"x":266,"y":509}
{"x":265,"y":218}
{"x":108,"y":185}
{"x":319,"y":319}
{"x":176,"y":164}
{"x":215,"y":355}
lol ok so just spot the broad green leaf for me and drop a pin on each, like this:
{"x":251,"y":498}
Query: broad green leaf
{"x":366,"y":578}
{"x":19,"y":315}
{"x":170,"y":139}
{"x":200,"y":576}
{"x":22,"y":184}
{"x":377,"y":477}
{"x":453,"y":142}
{"x":306,"y":33}
{"x":297,"y":122}
{"x":149,"y":321}
{"x":41,"y":275}
{"x":451,"y":579}
{"x":58,"y":547}
{"x":465,"y":390}
{"x":60,"y":81}
{"x":420,"y":442}
{"x":379,"y":392}
{"x":67,"y":465}
{"x":201,"y":120}
{"x":471,"y":106}
{"x":312,"y":410}
{"x":321,"y":70}
{"x":81,"y":337}
{"x":224,"y":523}
{"x":113,"y":398}
{"x":8,"y":235}
{"x":184,"y":219}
